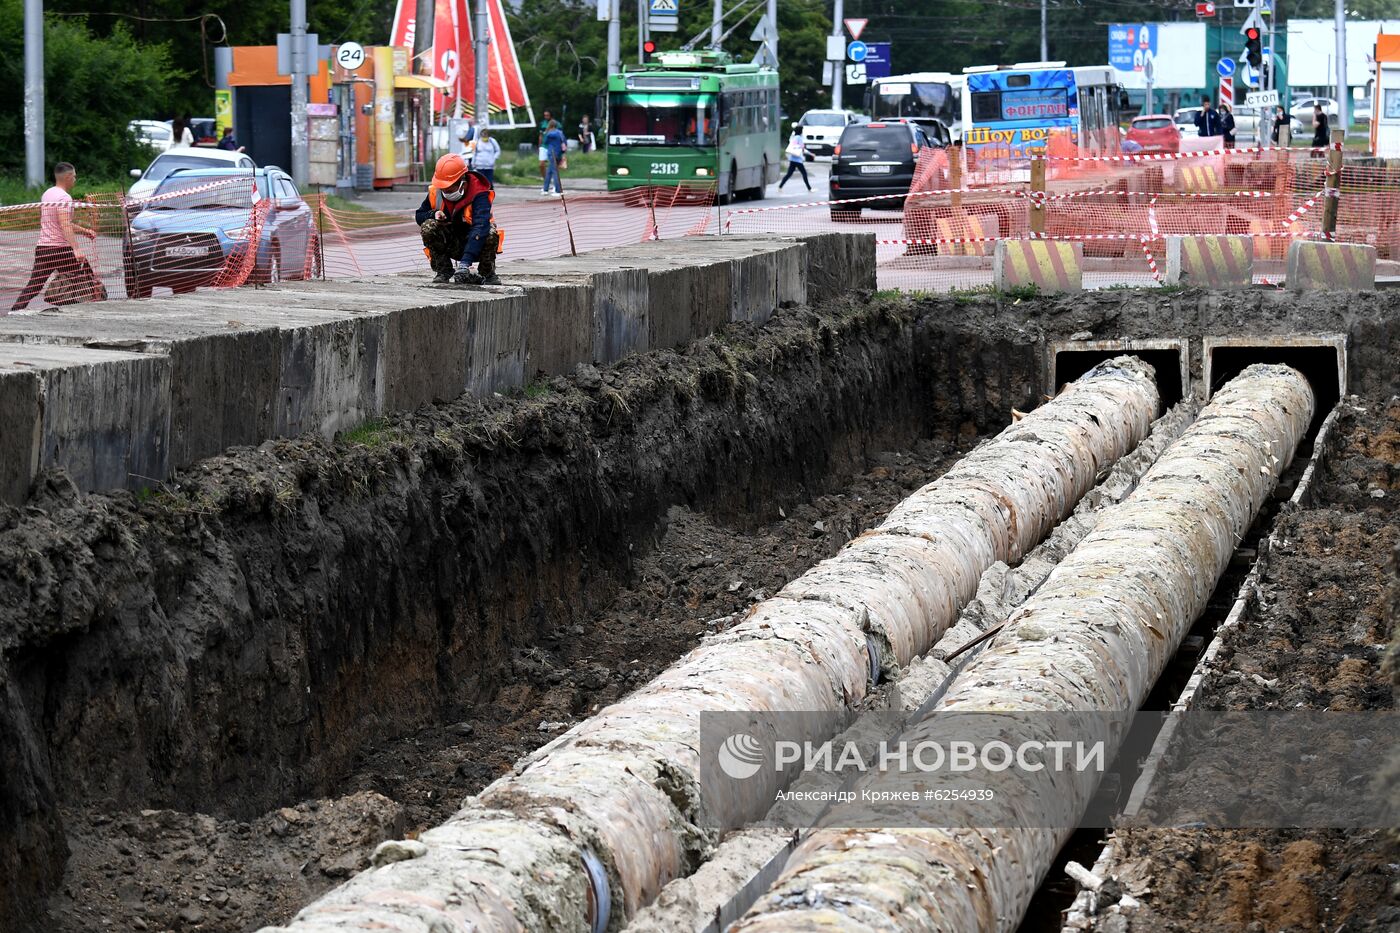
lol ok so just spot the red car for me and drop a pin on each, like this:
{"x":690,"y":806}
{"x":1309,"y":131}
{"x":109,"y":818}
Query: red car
{"x":1155,"y":133}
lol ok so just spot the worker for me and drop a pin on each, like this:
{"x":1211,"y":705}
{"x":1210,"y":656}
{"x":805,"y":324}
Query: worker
{"x":455,"y":221}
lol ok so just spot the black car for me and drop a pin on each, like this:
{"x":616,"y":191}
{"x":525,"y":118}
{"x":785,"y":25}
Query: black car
{"x":875,"y":159}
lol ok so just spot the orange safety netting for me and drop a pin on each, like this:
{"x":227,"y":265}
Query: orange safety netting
{"x":1118,"y":206}
{"x":226,"y":233}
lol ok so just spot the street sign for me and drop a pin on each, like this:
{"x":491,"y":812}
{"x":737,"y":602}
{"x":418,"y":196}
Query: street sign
{"x":1253,"y":22}
{"x":877,"y":60}
{"x":350,"y":55}
{"x":1225,"y":67}
{"x":1227,"y":93}
{"x":855,"y":74}
{"x":663,"y":24}
{"x":855,"y":27}
{"x":760,"y":32}
{"x":1261,"y":99}
{"x":663,"y":16}
{"x":1248,"y":73}
{"x":1205,"y":9}
{"x":835,"y":48}
{"x":1266,"y":8}
{"x":664,"y":7}
{"x":856,"y":51}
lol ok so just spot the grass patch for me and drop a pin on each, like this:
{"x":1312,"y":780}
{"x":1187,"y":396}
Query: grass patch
{"x":15,"y":191}
{"x":537,"y":390}
{"x":375,"y":432}
{"x":526,"y":170}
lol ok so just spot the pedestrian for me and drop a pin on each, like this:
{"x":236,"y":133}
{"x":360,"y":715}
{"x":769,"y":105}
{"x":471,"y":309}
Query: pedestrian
{"x":180,"y":131}
{"x":228,"y":142}
{"x":554,"y":146}
{"x":797,"y":158}
{"x":57,"y":251}
{"x":539,"y":141}
{"x":585,"y":135}
{"x":1280,"y":119}
{"x":1208,"y":120}
{"x":486,"y":154}
{"x":463,"y":147}
{"x":1321,"y":130}
{"x":455,"y":223}
{"x":1227,"y":126}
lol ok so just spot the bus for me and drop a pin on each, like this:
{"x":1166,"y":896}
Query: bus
{"x":695,"y":118}
{"x":1016,"y":109}
{"x":920,"y":97}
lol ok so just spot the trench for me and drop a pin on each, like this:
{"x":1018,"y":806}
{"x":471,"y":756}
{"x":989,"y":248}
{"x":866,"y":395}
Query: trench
{"x":309,"y":648}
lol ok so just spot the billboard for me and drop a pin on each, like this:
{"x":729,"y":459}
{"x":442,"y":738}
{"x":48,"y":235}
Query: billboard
{"x":1177,"y":52}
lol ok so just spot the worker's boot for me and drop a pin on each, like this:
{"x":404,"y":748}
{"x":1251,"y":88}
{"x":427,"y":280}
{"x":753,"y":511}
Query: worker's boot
{"x":466,"y":276}
{"x":442,"y":278}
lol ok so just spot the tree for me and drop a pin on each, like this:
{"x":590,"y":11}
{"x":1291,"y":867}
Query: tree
{"x":92,"y":87}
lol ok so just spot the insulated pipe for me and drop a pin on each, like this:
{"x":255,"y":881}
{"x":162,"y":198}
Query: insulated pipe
{"x":1094,"y":637}
{"x":622,"y":789}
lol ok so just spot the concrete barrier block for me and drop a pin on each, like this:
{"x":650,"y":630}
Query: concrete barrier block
{"x":559,"y":332}
{"x":223,"y":392}
{"x":101,"y":415}
{"x":621,"y":303}
{"x":838,"y":263}
{"x":496,"y":335}
{"x":20,"y":424}
{"x":1047,"y":265}
{"x":688,"y":302}
{"x":791,"y":271}
{"x":332,"y":377}
{"x":753,"y":287}
{"x":1315,"y":266}
{"x":1211,"y":261}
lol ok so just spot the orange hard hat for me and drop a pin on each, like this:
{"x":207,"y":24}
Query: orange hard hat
{"x":450,"y":168}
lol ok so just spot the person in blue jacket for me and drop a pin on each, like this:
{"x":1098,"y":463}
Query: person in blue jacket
{"x":555,"y":144}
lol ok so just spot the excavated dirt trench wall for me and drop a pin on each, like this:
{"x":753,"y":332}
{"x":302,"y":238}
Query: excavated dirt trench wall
{"x":230,"y":642}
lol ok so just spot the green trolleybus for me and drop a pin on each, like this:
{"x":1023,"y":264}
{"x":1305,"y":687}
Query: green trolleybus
{"x":693,"y":118}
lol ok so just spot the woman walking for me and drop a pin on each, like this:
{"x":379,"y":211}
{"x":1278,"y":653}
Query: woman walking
{"x":797,"y":158}
{"x":555,"y":145}
{"x":487,"y":152}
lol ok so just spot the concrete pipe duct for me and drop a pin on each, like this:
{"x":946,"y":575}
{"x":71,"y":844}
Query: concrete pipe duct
{"x":1095,"y":637}
{"x":590,"y":827}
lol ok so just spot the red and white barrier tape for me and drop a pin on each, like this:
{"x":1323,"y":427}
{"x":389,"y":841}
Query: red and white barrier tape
{"x":1198,"y":154}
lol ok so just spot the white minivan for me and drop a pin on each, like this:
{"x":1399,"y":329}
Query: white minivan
{"x":821,"y":130}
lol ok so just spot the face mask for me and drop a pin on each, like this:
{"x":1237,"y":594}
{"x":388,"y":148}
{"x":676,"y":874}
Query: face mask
{"x":454,"y":195}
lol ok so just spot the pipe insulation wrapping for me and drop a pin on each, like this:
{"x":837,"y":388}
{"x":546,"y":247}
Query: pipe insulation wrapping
{"x":625,"y":784}
{"x":1094,"y":637}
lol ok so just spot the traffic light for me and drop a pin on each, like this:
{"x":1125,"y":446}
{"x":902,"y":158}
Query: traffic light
{"x":649,"y":49}
{"x":1253,"y":48}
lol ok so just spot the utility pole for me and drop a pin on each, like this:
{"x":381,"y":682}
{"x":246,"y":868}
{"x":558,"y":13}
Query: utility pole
{"x":34,"y":93}
{"x":773,"y":30}
{"x":717,"y":24}
{"x":1272,"y":83}
{"x":838,"y":69}
{"x":641,"y":30}
{"x":423,"y":31}
{"x":1343,"y":92}
{"x":615,"y":37}
{"x":1044,"y":42}
{"x":481,"y":45}
{"x":301,"y":156}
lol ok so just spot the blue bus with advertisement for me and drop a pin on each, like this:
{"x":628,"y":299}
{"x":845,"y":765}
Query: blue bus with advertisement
{"x":1016,"y":110}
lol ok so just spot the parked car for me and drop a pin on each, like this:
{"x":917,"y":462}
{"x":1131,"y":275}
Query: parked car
{"x":1302,"y":110}
{"x":205,"y":131}
{"x":184,"y":157}
{"x":1155,"y":132}
{"x":154,"y":133}
{"x":197,"y":221}
{"x":875,"y":159}
{"x":821,"y":130}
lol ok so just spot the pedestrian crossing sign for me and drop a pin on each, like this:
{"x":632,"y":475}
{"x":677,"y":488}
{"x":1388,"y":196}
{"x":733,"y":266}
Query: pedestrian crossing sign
{"x":665,"y":7}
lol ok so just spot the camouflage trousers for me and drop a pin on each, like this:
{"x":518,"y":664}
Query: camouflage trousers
{"x":445,"y":242}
